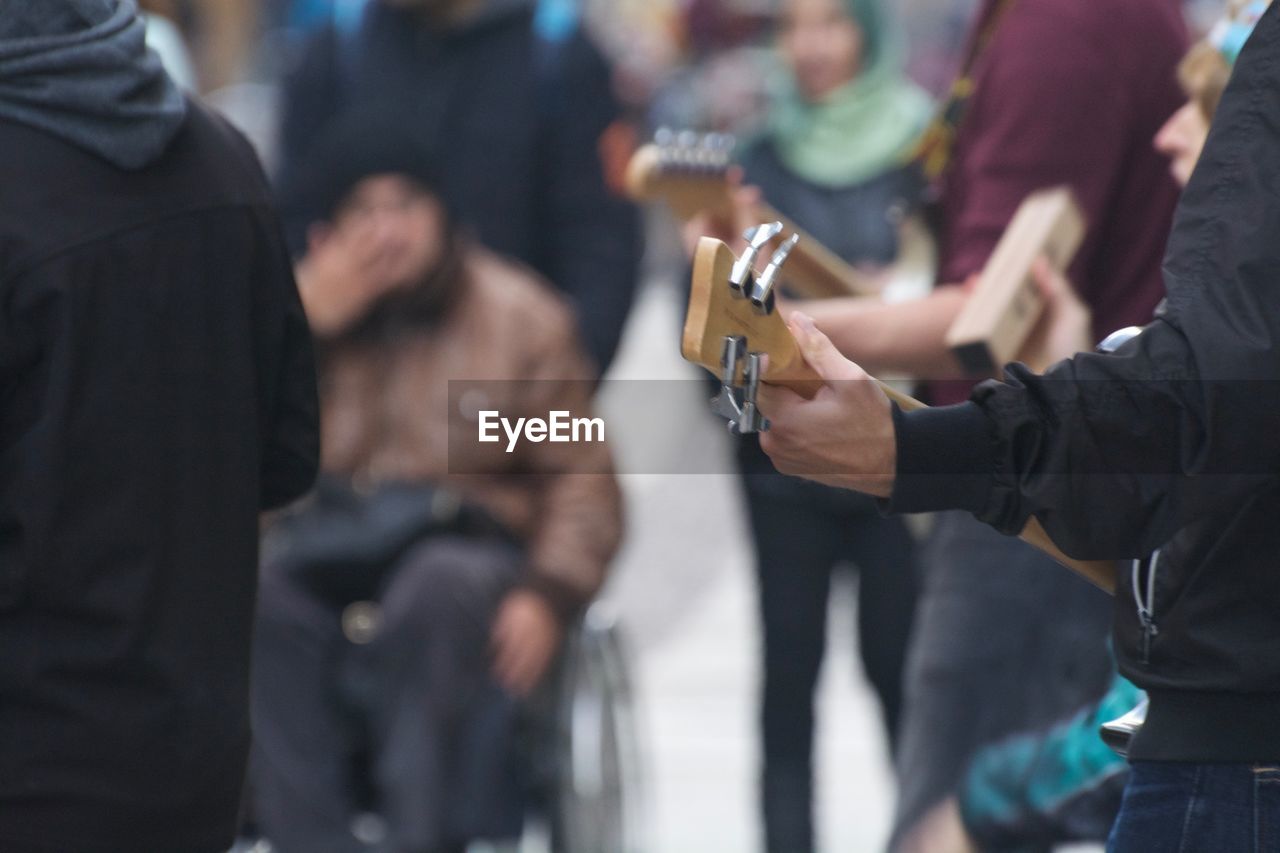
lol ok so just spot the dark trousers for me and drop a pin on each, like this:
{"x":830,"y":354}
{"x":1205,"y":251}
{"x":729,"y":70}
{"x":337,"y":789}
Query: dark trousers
{"x":1006,"y":641}
{"x":802,"y":532}
{"x":1173,"y":807}
{"x":413,"y":709}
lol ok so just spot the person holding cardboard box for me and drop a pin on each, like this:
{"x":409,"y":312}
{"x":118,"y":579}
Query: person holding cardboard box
{"x":1053,"y":93}
{"x":1050,"y":104}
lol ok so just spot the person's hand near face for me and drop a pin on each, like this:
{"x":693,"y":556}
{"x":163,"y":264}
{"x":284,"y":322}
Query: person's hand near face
{"x":387,"y":236}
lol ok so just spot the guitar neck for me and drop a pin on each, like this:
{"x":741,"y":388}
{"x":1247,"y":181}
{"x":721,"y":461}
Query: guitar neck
{"x":1100,"y":573}
{"x":690,"y":189}
{"x":793,"y":372}
{"x":801,"y":379}
{"x":813,"y":269}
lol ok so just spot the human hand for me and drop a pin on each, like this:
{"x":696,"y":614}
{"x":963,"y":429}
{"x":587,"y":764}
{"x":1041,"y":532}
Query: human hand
{"x":524,"y":638}
{"x":1066,"y":326}
{"x":343,"y":273}
{"x":941,"y":830}
{"x":844,"y":435}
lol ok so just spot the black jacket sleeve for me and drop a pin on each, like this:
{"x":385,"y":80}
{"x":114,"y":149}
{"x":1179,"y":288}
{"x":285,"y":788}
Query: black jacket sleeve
{"x":287,"y":377}
{"x":1115,"y":453}
{"x":591,"y":241}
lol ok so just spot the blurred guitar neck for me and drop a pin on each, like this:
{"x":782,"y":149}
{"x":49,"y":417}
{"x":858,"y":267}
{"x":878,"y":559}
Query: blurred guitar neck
{"x":691,"y":177}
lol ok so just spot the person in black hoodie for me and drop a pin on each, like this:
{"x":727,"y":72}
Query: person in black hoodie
{"x":156,"y":393}
{"x":1162,"y":452}
{"x":524,"y":115}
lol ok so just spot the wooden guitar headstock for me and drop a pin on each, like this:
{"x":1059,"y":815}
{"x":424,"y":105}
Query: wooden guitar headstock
{"x":718,"y":310}
{"x":688,"y":170}
{"x":733,"y":322}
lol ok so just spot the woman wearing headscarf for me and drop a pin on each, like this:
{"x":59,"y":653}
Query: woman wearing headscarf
{"x":833,"y":156}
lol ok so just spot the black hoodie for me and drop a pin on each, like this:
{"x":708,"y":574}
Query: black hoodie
{"x":156,"y":391}
{"x":80,"y":69}
{"x":1171,"y":445}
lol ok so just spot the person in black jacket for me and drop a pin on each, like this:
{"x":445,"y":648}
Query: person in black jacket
{"x":524,"y":116}
{"x":156,"y":393}
{"x":1162,"y":452}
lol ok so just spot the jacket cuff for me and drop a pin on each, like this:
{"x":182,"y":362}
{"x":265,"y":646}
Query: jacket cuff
{"x":946,"y":459}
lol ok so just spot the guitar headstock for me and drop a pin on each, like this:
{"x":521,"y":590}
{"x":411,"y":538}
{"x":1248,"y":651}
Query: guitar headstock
{"x":687,"y":169}
{"x":733,"y":322}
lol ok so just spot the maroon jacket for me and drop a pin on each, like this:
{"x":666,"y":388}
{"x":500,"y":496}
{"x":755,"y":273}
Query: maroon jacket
{"x":1070,"y":92}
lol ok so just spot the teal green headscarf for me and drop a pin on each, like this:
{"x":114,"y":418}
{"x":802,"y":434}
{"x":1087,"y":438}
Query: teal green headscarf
{"x":861,"y":130}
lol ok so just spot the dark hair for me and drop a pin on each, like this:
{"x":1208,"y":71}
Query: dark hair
{"x":353,"y":147}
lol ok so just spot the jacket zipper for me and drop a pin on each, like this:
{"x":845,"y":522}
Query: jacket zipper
{"x":1145,"y":601}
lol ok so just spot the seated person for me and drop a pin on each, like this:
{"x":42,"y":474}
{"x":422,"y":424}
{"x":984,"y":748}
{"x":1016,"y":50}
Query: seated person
{"x":451,"y":567}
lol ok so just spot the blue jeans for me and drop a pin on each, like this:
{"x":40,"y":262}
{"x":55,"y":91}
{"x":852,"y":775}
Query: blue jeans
{"x":1176,"y":807}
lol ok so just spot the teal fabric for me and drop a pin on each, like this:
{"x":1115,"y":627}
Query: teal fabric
{"x":861,"y":130}
{"x":880,"y":43}
{"x":1020,"y":787}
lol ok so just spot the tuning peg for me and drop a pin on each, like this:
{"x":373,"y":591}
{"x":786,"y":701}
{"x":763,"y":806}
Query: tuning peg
{"x":710,"y":154}
{"x":737,"y":403}
{"x":762,"y":290}
{"x":757,"y":238}
{"x":758,"y":235}
{"x":749,"y":419}
{"x":732,"y":352}
{"x":725,"y":404}
{"x":725,"y":143}
{"x":722,"y":142}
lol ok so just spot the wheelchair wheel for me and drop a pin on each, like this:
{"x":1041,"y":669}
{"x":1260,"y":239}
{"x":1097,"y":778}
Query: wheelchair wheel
{"x":597,"y":804}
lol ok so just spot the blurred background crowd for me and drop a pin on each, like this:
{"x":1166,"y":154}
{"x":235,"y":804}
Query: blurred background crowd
{"x":664,"y":688}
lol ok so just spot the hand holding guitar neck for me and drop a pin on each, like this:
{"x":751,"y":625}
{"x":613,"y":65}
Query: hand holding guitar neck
{"x":734,"y":330}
